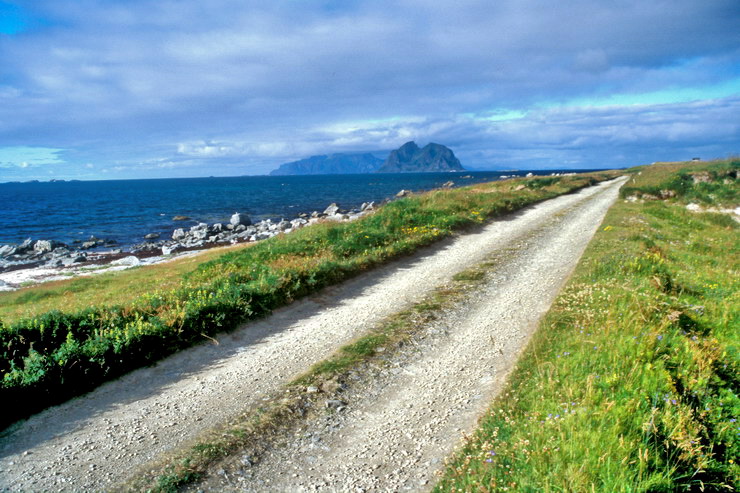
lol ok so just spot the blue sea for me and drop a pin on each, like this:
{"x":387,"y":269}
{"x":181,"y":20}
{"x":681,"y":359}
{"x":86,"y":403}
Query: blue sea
{"x":126,"y":210}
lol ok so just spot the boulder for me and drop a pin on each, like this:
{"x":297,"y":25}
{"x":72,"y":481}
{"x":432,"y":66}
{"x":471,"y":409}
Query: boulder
{"x":701,"y":177}
{"x":89,"y":244}
{"x":298,"y":223}
{"x":217,"y":228}
{"x":448,"y":184}
{"x":61,"y":251}
{"x":367,"y":206}
{"x":667,"y":194}
{"x":168,"y":249}
{"x":178,"y":234}
{"x":199,"y":234}
{"x":130,"y":261}
{"x":151,"y":236}
{"x":25,"y":247}
{"x":403,"y":193}
{"x":181,"y":218}
{"x":7,"y":250}
{"x":238,"y":218}
{"x":332,"y":209}
{"x":75,"y":259}
{"x":283,"y":225}
{"x":519,"y":187}
{"x":44,"y":246}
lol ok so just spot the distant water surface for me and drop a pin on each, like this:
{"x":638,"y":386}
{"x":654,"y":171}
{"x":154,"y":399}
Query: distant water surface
{"x":126,"y":210}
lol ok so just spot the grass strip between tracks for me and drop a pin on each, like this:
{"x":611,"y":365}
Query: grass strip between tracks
{"x":250,"y":434}
{"x":631,"y":382}
{"x":51,"y":357}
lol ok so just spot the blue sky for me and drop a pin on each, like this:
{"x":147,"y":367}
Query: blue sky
{"x":93,"y":89}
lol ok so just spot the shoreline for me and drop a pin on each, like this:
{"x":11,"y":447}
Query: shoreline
{"x":36,"y":262}
{"x":189,"y":242}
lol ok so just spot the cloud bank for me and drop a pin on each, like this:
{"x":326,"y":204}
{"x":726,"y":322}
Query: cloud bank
{"x":185,"y":88}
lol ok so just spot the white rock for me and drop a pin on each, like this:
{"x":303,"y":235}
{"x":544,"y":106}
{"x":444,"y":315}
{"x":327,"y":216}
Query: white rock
{"x":130,"y":261}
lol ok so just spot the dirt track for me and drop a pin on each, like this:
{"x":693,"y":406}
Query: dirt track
{"x":393,"y":436}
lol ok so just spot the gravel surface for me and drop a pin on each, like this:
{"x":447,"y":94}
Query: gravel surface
{"x":392,"y":438}
{"x":401,"y":422}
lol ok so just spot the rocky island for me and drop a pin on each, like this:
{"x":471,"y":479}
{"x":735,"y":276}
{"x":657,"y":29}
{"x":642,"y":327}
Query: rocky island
{"x":332,"y":164}
{"x":409,"y":158}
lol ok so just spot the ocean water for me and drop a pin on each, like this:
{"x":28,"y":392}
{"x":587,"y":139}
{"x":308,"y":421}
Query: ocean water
{"x":126,"y":210}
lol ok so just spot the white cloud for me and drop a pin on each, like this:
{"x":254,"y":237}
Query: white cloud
{"x":25,"y":156}
{"x":217,"y":82}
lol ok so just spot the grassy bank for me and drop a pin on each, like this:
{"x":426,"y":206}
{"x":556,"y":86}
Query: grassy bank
{"x":101,"y":289}
{"x":54,"y":355}
{"x":253,"y":432}
{"x":631,"y":382}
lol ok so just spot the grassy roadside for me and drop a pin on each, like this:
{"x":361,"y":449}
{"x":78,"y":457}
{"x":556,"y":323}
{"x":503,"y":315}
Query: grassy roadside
{"x":102,"y":289}
{"x":631,"y":382}
{"x":253,"y":432}
{"x":53,"y":356}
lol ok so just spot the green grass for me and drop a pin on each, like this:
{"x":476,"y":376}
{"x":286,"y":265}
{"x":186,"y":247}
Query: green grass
{"x":247,"y":434}
{"x":67,"y":348}
{"x":101,"y":289}
{"x":631,"y":382}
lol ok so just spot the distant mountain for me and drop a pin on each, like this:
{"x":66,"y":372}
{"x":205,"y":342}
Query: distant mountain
{"x":409,"y":158}
{"x":333,"y":164}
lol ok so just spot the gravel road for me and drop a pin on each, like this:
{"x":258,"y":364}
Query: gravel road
{"x":392,"y":437}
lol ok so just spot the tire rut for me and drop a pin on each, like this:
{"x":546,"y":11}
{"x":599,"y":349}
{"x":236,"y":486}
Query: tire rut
{"x":82,"y":444}
{"x":402,"y":421}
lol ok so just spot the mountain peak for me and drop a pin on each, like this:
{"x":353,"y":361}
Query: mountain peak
{"x":409,"y":158}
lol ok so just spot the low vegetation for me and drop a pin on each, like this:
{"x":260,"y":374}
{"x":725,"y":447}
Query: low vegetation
{"x":51,"y":356}
{"x":631,"y":382}
{"x":101,"y":289}
{"x":250,"y":433}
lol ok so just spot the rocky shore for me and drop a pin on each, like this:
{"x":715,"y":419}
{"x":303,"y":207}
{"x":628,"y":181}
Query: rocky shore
{"x":40,"y":260}
{"x":50,"y":259}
